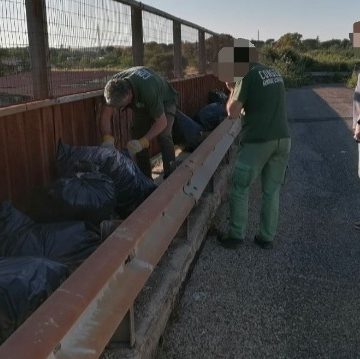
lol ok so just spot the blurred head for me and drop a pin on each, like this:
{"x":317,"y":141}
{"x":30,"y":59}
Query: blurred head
{"x":118,"y":93}
{"x":234,"y":62}
{"x":355,"y":38}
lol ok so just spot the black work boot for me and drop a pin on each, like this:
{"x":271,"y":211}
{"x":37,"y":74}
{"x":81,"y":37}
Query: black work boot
{"x":263,"y":244}
{"x":229,"y":242}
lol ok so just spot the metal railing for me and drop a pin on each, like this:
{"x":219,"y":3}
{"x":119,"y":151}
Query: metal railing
{"x":80,"y":317}
{"x":53,"y":48}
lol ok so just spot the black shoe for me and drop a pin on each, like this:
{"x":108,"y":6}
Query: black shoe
{"x":229,"y":242}
{"x":263,"y":244}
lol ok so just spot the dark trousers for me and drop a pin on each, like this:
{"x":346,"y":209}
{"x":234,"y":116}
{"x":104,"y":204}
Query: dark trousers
{"x":141,"y":125}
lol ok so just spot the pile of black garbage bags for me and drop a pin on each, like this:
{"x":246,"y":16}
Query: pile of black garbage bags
{"x":61,"y":227}
{"x":190,"y":132}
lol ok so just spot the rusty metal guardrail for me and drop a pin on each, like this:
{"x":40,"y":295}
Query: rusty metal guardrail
{"x":81,"y":316}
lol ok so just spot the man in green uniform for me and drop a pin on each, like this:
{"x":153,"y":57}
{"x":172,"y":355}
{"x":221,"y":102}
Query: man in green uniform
{"x":153,"y":101}
{"x":264,"y":151}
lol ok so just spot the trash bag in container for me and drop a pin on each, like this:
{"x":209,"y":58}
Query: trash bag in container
{"x":211,"y":115}
{"x":12,"y":220}
{"x":217,"y":96}
{"x":73,"y":159}
{"x":67,"y":242}
{"x":24,"y":284}
{"x":186,"y":131}
{"x":131,"y":185}
{"x":86,"y":196}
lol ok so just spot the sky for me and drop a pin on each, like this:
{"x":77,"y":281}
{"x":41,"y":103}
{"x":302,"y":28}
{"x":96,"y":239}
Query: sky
{"x":328,"y":19}
{"x":91,"y":23}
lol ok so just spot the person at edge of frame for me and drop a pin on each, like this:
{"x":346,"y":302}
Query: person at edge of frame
{"x":264,"y":149}
{"x":355,"y":39}
{"x":153,"y":101}
{"x":356,"y":126}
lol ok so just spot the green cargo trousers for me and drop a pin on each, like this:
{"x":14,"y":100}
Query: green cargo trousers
{"x":141,"y":125}
{"x":268,"y":159}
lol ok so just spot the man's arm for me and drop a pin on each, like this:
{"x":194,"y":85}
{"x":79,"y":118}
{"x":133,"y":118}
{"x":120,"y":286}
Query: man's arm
{"x":105,"y":125}
{"x":356,"y":130}
{"x":135,"y":146}
{"x":233,"y":106}
{"x":159,"y":125}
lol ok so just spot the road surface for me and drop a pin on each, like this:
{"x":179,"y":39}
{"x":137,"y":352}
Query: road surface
{"x":301,"y":299}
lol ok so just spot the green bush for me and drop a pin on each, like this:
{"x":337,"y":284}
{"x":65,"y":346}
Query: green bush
{"x":352,"y":80}
{"x":295,"y":59}
{"x":290,"y":64}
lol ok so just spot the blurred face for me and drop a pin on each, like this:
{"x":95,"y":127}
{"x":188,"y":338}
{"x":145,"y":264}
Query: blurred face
{"x":234,"y":62}
{"x":355,"y":37}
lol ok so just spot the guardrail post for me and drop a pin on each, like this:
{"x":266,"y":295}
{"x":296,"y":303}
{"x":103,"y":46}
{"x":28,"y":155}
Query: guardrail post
{"x":202,"y":52}
{"x":177,"y":49}
{"x":137,"y":36}
{"x":125,"y":333}
{"x":38,"y":47}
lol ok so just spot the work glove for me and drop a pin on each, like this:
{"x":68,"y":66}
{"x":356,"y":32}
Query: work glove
{"x":108,"y":141}
{"x":135,"y":146}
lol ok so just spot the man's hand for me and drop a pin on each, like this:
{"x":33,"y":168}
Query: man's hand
{"x":357,"y":133}
{"x":135,"y":146}
{"x":230,"y":85}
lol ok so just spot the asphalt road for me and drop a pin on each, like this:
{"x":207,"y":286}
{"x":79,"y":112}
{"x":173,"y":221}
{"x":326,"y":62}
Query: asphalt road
{"x":301,"y":299}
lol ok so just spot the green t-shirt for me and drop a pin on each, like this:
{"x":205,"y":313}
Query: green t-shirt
{"x":262,"y":92}
{"x":151,"y":92}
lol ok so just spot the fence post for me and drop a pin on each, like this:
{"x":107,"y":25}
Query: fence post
{"x":38,"y":47}
{"x":137,"y":36}
{"x":177,"y":49}
{"x":202,"y":52}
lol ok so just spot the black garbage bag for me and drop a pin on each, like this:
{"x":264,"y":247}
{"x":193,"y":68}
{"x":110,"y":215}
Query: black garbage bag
{"x":12,"y":220}
{"x":211,"y":115}
{"x":69,"y":243}
{"x":24,"y":284}
{"x":73,"y":159}
{"x":86,"y":196}
{"x":186,"y":131}
{"x":217,"y":96}
{"x":131,"y":185}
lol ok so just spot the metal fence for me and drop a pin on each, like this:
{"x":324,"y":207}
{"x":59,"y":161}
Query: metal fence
{"x":15,"y":85}
{"x":190,"y":49}
{"x":52,"y":48}
{"x":158,"y":43}
{"x":87,"y":41}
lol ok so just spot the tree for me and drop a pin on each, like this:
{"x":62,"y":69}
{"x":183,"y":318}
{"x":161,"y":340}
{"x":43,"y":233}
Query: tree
{"x":290,"y":40}
{"x":331,"y":44}
{"x":214,"y":43}
{"x":269,"y":41}
{"x":311,"y":44}
{"x":190,"y":52}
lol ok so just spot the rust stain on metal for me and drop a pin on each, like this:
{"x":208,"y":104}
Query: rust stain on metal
{"x":87,"y":309}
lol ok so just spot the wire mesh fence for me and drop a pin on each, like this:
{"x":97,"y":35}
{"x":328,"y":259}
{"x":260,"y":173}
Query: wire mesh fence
{"x":84,"y":43}
{"x":89,"y":41}
{"x":211,"y":50}
{"x":190,"y":50}
{"x":158,"y":44}
{"x":15,"y":66}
